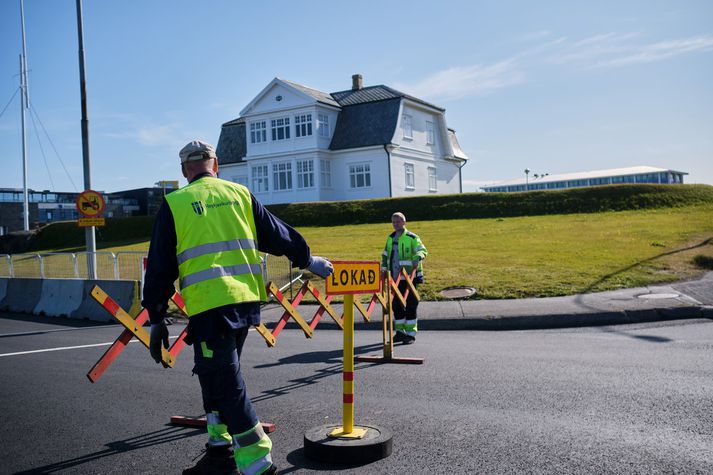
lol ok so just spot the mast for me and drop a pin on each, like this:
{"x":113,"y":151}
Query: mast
{"x":24,"y":104}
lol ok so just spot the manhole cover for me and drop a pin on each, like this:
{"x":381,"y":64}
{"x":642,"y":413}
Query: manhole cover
{"x":457,"y":292}
{"x":658,"y":296}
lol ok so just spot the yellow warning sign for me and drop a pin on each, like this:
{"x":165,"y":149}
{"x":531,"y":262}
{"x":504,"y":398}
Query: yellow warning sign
{"x":90,"y":203}
{"x":86,"y":222}
{"x":354,"y":277}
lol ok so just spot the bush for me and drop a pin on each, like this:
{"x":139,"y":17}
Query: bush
{"x":703,"y":261}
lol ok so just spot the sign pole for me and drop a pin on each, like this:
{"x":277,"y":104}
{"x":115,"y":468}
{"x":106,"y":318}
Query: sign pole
{"x":348,"y":371}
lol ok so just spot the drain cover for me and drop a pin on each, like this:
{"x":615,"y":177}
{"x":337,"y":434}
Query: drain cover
{"x":658,"y":296}
{"x":457,"y":292}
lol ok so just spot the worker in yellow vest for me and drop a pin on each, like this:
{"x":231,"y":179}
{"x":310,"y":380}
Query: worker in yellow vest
{"x":208,"y":235}
{"x":404,"y":250}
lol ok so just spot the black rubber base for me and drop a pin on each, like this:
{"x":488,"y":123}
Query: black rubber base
{"x":375,"y":445}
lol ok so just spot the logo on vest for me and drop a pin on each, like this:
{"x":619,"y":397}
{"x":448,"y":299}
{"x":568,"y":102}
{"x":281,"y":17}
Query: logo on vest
{"x":198,"y":207}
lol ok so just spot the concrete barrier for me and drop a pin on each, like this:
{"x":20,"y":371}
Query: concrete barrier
{"x":21,"y":295}
{"x":123,"y":292}
{"x":3,"y":288}
{"x":60,"y":297}
{"x":66,"y":297}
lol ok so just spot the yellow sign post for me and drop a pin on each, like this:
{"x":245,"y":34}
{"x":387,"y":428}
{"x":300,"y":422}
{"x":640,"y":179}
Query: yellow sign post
{"x":349,"y":278}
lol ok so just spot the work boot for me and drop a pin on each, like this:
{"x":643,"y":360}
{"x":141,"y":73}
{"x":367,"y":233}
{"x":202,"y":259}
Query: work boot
{"x":215,"y":461}
{"x":271,"y":471}
{"x":408,"y":339}
{"x":399,"y":337}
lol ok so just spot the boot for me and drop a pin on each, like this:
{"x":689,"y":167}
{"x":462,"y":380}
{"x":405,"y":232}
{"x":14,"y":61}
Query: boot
{"x":215,"y":461}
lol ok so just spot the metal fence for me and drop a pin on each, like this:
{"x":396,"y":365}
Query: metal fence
{"x":121,"y":265}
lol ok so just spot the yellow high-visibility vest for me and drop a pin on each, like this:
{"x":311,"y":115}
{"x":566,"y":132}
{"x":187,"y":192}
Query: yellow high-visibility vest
{"x":217,"y":251}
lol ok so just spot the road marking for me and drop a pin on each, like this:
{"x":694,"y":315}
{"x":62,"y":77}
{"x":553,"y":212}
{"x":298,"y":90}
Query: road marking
{"x":39,"y":332}
{"x":67,"y":348}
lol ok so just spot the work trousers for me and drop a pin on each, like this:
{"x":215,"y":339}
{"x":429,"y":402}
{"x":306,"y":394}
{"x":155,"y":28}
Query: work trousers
{"x":410,"y":312}
{"x":217,"y":364}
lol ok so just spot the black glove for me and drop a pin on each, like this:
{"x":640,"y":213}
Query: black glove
{"x":159,"y":335}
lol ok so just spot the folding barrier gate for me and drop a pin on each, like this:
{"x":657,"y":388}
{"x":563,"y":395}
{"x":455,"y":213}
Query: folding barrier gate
{"x":133,"y":326}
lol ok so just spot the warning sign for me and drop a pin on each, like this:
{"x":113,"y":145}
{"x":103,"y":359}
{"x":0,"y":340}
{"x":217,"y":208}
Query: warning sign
{"x":354,"y":277}
{"x":90,"y":203}
{"x":86,"y":222}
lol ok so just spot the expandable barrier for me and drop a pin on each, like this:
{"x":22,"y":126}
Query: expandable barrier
{"x":134,"y":325}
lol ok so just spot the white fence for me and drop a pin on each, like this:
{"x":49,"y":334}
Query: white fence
{"x":121,"y":265}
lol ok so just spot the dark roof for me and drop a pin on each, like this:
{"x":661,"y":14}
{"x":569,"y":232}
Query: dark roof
{"x":374,"y":93}
{"x":232,"y":145}
{"x":320,"y":96}
{"x":366,"y":124}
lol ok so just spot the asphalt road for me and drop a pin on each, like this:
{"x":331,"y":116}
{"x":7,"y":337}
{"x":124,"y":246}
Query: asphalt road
{"x":626,"y":399}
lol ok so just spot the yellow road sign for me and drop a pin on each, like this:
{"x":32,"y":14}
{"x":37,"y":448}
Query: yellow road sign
{"x":90,"y":203}
{"x":354,"y":277}
{"x":86,"y":222}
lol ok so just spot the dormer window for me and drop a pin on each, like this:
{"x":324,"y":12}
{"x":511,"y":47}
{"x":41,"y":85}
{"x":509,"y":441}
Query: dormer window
{"x":406,"y":126}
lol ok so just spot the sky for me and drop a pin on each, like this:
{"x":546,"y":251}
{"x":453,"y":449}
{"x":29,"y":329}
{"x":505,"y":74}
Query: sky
{"x":551,"y":86}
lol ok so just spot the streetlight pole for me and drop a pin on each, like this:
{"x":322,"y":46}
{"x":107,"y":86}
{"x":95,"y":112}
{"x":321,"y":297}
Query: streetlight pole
{"x":89,"y":234}
{"x":527,"y":176}
{"x":24,"y":104}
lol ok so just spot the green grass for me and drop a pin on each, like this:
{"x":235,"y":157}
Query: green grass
{"x":537,"y":256}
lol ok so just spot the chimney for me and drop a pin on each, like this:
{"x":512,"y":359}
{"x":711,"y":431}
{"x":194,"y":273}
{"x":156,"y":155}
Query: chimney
{"x":357,"y":82}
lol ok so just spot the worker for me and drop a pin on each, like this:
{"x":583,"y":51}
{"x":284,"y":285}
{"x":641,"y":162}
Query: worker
{"x":208,"y":234}
{"x":404,"y":250}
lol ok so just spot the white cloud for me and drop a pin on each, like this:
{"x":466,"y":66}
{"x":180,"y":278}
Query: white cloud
{"x":458,"y":82}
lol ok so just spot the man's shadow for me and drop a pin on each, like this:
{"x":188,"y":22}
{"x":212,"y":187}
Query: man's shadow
{"x":162,"y":436}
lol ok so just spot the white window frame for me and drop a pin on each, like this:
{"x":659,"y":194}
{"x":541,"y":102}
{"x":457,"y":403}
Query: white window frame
{"x":410,"y":176}
{"x":259,"y":175}
{"x":323,"y":125}
{"x":303,"y":125}
{"x":326,"y":173}
{"x":258,"y":131}
{"x":432,"y":179}
{"x":280,"y":124}
{"x":305,"y":174}
{"x":282,"y":170}
{"x":360,"y":170}
{"x":407,"y":126}
{"x":430,"y":133}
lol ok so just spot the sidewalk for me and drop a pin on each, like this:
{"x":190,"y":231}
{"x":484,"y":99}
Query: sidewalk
{"x":682,"y":300}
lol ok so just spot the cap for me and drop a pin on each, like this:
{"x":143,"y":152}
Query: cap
{"x":399,"y":215}
{"x":197,"y":150}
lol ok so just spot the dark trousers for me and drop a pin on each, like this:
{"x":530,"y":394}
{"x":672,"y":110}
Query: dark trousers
{"x":217,"y":364}
{"x":409,"y":312}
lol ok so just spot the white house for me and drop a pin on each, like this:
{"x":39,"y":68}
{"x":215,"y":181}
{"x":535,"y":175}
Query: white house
{"x":292,"y":143}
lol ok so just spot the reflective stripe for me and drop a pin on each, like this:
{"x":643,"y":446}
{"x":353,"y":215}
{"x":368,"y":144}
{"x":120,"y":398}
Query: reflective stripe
{"x":386,"y":253}
{"x":419,"y":248}
{"x":405,"y":263}
{"x":213,"y":419}
{"x":214,"y":247}
{"x":258,"y":466}
{"x":215,"y":272}
{"x":250,"y":438}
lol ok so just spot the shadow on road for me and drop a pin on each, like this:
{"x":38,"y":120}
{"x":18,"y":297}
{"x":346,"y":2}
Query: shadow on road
{"x":169,"y":434}
{"x":300,"y":462}
{"x":332,"y":357}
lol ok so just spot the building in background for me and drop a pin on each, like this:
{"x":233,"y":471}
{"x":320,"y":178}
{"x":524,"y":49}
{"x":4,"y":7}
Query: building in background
{"x":594,"y":178}
{"x":292,"y":143}
{"x":50,"y":206}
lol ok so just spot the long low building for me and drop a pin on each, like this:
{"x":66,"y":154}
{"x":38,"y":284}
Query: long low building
{"x":613,"y":176}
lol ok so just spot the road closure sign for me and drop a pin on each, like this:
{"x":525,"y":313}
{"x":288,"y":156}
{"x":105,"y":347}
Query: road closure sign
{"x":90,"y":204}
{"x":354,"y":277}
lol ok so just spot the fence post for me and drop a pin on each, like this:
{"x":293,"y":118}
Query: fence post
{"x":9,"y":266}
{"x":74,"y":263}
{"x":116,"y":266}
{"x":42,"y":265}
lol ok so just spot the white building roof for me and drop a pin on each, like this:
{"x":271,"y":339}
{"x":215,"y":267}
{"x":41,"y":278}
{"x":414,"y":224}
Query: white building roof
{"x":584,"y":175}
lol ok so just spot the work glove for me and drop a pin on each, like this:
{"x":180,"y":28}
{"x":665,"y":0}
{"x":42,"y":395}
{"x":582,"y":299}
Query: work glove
{"x":159,"y":335}
{"x":320,"y":266}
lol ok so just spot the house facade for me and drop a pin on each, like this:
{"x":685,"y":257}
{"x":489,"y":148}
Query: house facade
{"x":292,"y":143}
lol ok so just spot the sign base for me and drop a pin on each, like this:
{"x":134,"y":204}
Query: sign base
{"x":356,"y":433}
{"x":375,"y":445}
{"x":384,"y":360}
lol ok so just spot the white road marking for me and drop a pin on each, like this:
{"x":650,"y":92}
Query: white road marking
{"x":68,"y":348}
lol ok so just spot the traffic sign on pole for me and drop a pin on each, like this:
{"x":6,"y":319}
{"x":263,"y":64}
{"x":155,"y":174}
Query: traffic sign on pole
{"x":90,"y":204}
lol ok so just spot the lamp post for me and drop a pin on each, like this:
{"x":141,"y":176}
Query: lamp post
{"x":527,"y":176}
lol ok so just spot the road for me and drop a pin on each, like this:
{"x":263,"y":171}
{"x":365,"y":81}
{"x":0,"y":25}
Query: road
{"x":625,"y":399}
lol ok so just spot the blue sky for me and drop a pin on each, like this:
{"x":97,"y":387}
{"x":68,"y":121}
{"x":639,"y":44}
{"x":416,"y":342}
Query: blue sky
{"x":553,"y":86}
